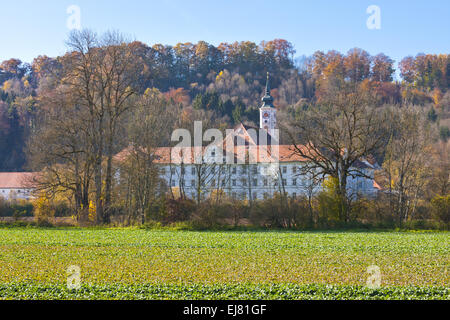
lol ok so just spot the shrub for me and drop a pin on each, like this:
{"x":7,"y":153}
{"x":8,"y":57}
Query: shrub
{"x":376,"y":212}
{"x":266,"y":213}
{"x":168,"y":210}
{"x":61,"y":209}
{"x":15,"y":208}
{"x":281,"y":212}
{"x":43,"y":210}
{"x":329,"y":202}
{"x":210,"y":216}
{"x":300,"y":212}
{"x":441,"y":208}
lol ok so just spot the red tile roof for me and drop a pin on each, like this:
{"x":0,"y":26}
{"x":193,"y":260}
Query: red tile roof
{"x":262,"y":154}
{"x":16,"y":180}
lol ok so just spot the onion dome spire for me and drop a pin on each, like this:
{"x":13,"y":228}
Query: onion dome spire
{"x":267,"y":99}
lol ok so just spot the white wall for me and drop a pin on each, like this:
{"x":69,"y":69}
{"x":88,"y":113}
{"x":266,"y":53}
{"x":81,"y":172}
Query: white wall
{"x":19,"y":194}
{"x":241,"y":184}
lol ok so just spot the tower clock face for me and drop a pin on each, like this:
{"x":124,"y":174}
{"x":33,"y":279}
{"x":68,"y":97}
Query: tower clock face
{"x":265,"y":115}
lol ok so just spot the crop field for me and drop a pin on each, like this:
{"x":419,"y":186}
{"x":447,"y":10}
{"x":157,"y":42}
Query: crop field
{"x":160,"y":264}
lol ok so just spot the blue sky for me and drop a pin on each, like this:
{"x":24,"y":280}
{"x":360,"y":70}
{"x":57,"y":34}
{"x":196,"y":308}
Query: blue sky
{"x":30,"y":27}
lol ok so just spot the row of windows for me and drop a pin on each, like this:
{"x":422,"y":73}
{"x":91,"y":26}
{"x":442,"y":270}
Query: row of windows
{"x":243,"y":182}
{"x":18,"y":191}
{"x":253,"y":170}
{"x":255,"y":196}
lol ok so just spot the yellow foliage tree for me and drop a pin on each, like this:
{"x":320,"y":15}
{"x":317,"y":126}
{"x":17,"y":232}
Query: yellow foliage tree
{"x":176,"y":192}
{"x":42,"y":209}
{"x":92,"y":211}
{"x":6,"y":85}
{"x":437,"y":97}
{"x":329,"y":201}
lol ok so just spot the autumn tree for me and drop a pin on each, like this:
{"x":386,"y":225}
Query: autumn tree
{"x":61,"y":150}
{"x":101,"y":71}
{"x":335,"y":135}
{"x":405,"y":161}
{"x":150,"y":126}
{"x":357,"y":65}
{"x":382,"y":69}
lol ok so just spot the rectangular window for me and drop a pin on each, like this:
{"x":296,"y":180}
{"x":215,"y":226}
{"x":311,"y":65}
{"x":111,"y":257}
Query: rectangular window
{"x":284,"y":182}
{"x":193,"y":183}
{"x":294,"y":182}
{"x":255,"y":182}
{"x":233,"y":171}
{"x":193,"y":170}
{"x":244,"y":170}
{"x":294,"y":195}
{"x":265,"y":182}
{"x":173,"y":183}
{"x":233,"y":182}
{"x":244,"y":182}
{"x":284,"y":169}
{"x":294,"y":169}
{"x":172,"y":170}
{"x":223,"y":183}
{"x":255,"y":170}
{"x":183,"y":170}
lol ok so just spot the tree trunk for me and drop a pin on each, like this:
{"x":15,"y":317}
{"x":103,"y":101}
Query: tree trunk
{"x":98,"y":178}
{"x":343,"y":205}
{"x":108,"y":185}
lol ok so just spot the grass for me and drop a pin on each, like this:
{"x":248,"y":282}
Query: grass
{"x":219,"y":291}
{"x":163,"y":264}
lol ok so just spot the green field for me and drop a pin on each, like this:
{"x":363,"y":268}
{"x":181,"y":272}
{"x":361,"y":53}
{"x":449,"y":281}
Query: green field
{"x":160,"y":264}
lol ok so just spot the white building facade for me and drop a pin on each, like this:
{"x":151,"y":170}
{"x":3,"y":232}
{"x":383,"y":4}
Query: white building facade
{"x":15,"y":185}
{"x":253,"y":181}
{"x":246,"y":180}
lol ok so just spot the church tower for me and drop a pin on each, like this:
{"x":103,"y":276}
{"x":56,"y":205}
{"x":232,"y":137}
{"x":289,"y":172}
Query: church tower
{"x":267,"y":113}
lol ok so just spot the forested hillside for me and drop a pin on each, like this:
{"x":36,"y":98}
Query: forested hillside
{"x":225,"y":84}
